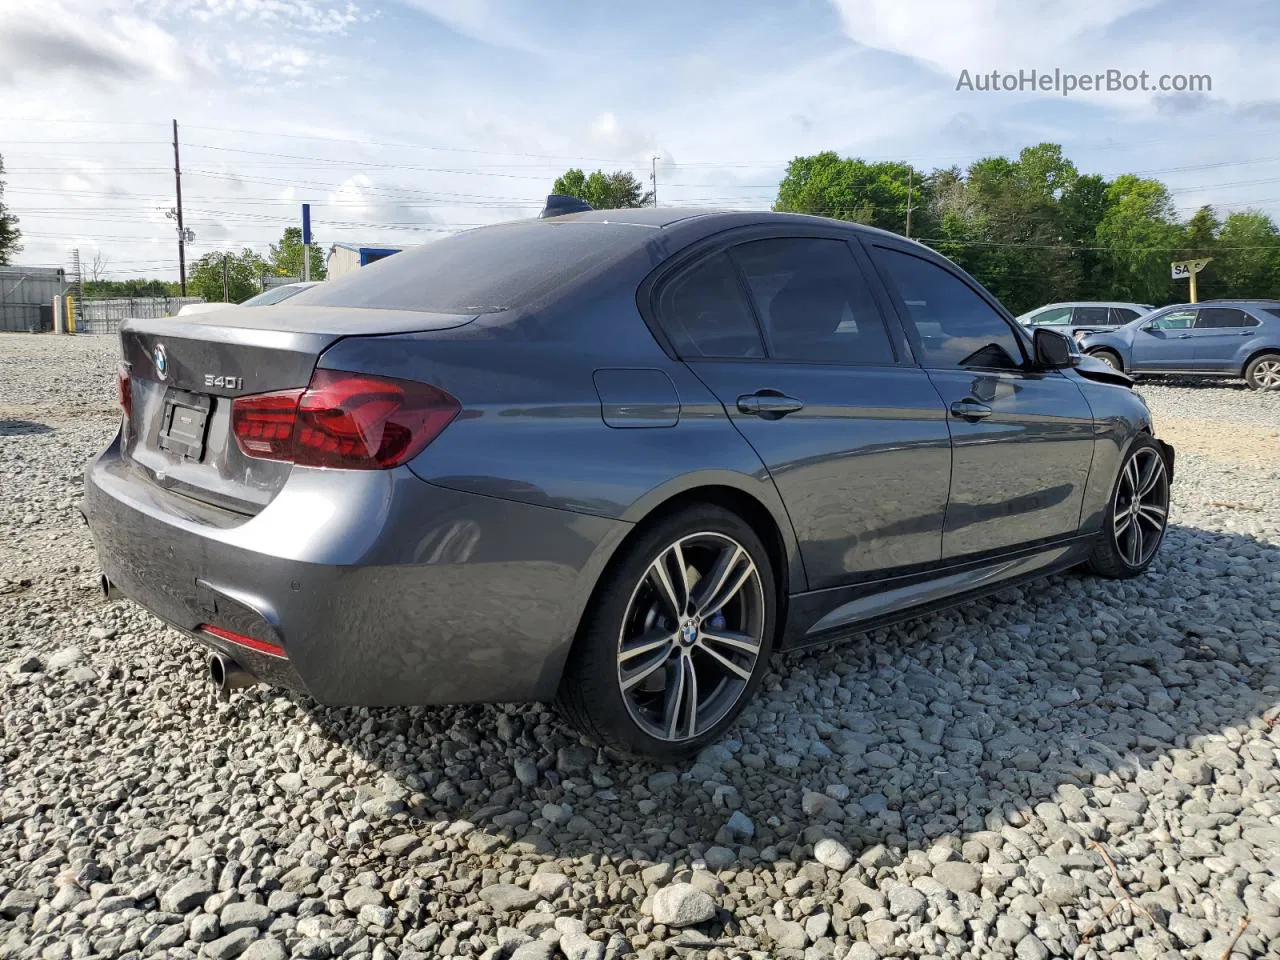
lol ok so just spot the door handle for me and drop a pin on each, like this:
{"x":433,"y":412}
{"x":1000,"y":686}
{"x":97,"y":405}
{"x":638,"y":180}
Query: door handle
{"x":1184,"y":336}
{"x":1247,"y":333}
{"x":970,"y":410}
{"x":768,"y":404}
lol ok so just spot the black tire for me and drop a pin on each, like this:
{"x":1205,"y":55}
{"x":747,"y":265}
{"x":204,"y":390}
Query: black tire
{"x":1111,"y":557}
{"x":591,"y":695}
{"x":1263,"y":372}
{"x":1109,"y":357}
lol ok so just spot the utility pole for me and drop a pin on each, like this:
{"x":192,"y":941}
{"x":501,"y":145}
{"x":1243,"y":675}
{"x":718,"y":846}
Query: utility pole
{"x":653,"y":178}
{"x":226,"y":287}
{"x":910,"y":183}
{"x":182,"y":236}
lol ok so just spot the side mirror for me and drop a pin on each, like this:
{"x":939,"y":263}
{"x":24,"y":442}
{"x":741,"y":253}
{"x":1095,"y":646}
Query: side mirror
{"x":1054,"y":351}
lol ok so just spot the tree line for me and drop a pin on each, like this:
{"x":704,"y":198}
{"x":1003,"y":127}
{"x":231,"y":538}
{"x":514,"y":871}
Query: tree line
{"x":1035,"y":229}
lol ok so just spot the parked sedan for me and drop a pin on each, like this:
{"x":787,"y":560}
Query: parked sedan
{"x":609,"y":458}
{"x":1231,"y":338}
{"x":1084,"y":317}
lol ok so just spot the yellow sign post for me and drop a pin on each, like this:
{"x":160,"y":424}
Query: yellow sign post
{"x":1188,"y":269}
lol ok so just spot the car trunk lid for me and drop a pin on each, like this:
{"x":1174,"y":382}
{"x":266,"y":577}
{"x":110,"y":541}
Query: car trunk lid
{"x":185,"y":373}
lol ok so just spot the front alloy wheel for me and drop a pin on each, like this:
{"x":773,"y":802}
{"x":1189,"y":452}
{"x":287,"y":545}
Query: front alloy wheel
{"x":691,"y":636}
{"x":1141,"y":507}
{"x":1137,"y":515}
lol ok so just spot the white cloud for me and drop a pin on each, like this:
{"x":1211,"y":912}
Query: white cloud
{"x":102,"y":42}
{"x":981,"y":34}
{"x":481,"y":20}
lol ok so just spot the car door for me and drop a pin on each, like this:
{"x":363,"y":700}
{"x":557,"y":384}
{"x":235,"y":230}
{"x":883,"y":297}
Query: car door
{"x":1220,"y":334}
{"x":1164,"y":342}
{"x":786,"y":331}
{"x":1022,"y":439}
{"x":1088,"y":319}
{"x":1050,"y":317}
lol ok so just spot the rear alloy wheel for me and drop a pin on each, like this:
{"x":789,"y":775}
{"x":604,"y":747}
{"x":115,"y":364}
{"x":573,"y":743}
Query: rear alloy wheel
{"x":1137,"y":515}
{"x":1263,"y":373}
{"x":677,"y":639}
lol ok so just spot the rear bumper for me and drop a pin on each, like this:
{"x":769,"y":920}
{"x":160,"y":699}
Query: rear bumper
{"x":381,"y":588}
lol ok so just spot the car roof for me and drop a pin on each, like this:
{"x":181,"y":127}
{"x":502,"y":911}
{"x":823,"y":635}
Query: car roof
{"x":1090,"y":303}
{"x":670,"y":216}
{"x":1223,"y":303}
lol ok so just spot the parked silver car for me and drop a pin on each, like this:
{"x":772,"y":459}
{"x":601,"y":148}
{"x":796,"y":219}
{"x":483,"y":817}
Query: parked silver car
{"x":1082,"y":317}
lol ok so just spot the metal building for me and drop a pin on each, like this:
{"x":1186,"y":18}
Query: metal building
{"x":26,"y":297}
{"x":346,"y":258}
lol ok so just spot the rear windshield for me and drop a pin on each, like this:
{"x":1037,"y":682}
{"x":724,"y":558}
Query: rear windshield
{"x":484,"y":271}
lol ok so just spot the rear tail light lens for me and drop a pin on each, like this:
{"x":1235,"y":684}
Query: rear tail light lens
{"x":125,"y":388}
{"x":346,"y":420}
{"x":263,"y":424}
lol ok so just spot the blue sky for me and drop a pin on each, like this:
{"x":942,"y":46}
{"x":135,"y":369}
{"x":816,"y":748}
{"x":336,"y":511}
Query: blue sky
{"x":402,"y":120}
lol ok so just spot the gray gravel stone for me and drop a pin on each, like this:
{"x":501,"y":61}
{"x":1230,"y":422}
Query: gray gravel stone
{"x":957,"y":876}
{"x":187,"y":894}
{"x":682,"y":905}
{"x":231,"y":945}
{"x":505,"y":897}
{"x":832,"y":854}
{"x":268,"y":949}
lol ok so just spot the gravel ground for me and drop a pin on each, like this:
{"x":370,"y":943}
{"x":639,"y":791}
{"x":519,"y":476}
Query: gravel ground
{"x":1074,"y":768}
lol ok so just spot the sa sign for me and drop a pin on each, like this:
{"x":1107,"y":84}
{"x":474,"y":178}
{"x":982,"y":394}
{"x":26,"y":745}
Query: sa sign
{"x":1182,"y":269}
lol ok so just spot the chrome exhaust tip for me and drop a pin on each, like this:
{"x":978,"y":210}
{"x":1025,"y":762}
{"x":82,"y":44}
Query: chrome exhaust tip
{"x":108,"y":589}
{"x":227,"y":675}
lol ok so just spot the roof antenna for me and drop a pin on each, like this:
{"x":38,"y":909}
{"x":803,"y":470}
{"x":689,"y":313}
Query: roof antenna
{"x":558,"y":204}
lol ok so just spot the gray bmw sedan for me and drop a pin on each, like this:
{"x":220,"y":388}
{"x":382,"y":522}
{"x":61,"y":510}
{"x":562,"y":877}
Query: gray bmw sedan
{"x":611,"y":458}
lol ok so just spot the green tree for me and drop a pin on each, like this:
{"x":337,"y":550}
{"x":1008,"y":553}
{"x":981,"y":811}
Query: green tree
{"x":9,"y":233}
{"x":1248,"y":259}
{"x":285,"y":257}
{"x":244,"y":271}
{"x":1141,"y":233}
{"x":1084,"y":205}
{"x":849,"y":188}
{"x":604,"y":191}
{"x":107,"y":289}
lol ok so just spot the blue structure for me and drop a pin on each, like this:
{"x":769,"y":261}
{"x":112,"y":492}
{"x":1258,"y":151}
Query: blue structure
{"x":345,"y":257}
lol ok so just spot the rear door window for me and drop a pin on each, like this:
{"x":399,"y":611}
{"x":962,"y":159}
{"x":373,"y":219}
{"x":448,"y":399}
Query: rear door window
{"x":1089,"y":317}
{"x":705,"y":313}
{"x":813,"y":301}
{"x":1219,"y":318}
{"x":1122,"y":315}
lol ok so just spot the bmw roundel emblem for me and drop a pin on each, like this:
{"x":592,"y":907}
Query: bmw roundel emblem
{"x":161,"y":360}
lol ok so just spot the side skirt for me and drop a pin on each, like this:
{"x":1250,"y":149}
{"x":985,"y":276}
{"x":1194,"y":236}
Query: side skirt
{"x":824,"y":616}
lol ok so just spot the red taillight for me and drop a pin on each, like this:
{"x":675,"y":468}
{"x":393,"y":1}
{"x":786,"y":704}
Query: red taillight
{"x":125,"y":387}
{"x":263,"y":424}
{"x":347,"y":420}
